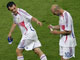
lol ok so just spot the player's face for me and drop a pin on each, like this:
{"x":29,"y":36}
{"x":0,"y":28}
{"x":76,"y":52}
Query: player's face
{"x":55,"y":12}
{"x":13,"y":9}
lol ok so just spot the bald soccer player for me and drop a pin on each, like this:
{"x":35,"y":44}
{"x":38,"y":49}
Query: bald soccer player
{"x":65,"y":28}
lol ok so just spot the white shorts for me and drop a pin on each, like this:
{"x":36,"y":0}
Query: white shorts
{"x":29,"y":44}
{"x":29,"y":41}
{"x":67,"y":52}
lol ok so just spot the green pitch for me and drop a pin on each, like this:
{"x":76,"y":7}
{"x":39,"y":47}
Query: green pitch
{"x":41,"y":10}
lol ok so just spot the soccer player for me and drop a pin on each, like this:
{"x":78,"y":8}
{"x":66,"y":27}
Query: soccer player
{"x":29,"y":40}
{"x":65,"y":28}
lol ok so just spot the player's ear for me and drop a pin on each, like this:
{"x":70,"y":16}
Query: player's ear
{"x":8,"y":9}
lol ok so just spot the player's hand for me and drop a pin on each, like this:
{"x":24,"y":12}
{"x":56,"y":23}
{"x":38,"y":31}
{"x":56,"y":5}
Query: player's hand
{"x":49,"y":26}
{"x":10,"y":40}
{"x":55,"y":32}
{"x":40,"y":23}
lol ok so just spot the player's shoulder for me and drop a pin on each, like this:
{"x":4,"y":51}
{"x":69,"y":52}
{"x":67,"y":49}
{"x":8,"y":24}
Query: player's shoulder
{"x":12,"y":14}
{"x":21,"y":10}
{"x":66,"y":13}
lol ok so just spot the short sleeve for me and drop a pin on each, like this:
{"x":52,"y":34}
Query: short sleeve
{"x":14,"y":19}
{"x":67,"y":19}
{"x":26,"y":15}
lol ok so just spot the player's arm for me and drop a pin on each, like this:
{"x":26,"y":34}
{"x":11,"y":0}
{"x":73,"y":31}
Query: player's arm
{"x":36,"y":20}
{"x":28,"y":16}
{"x":12,"y":29}
{"x":57,"y":27}
{"x":61,"y":32}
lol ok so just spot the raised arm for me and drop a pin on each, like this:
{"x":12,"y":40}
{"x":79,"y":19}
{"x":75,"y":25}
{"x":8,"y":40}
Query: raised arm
{"x":36,"y":20}
{"x":57,"y":27}
{"x":61,"y":32}
{"x":55,"y":31}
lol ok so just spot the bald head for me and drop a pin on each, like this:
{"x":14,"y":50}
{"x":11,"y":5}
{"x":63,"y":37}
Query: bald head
{"x":56,"y":9}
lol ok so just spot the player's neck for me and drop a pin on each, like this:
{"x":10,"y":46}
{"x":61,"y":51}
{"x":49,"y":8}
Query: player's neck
{"x":62,"y":11}
{"x":16,"y":12}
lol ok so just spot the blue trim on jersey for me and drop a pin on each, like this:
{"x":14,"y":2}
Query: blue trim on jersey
{"x":73,"y":35}
{"x":72,"y":32}
{"x":21,"y":47}
{"x":31,"y":29}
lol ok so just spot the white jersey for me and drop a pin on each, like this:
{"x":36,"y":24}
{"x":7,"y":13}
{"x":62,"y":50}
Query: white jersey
{"x":66,"y":23}
{"x":23,"y":20}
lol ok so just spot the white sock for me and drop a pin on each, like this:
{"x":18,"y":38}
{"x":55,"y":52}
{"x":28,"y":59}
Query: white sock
{"x":20,"y":58}
{"x":43,"y":57}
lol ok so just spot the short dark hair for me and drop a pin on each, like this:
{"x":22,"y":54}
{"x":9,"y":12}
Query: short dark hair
{"x":10,"y":4}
